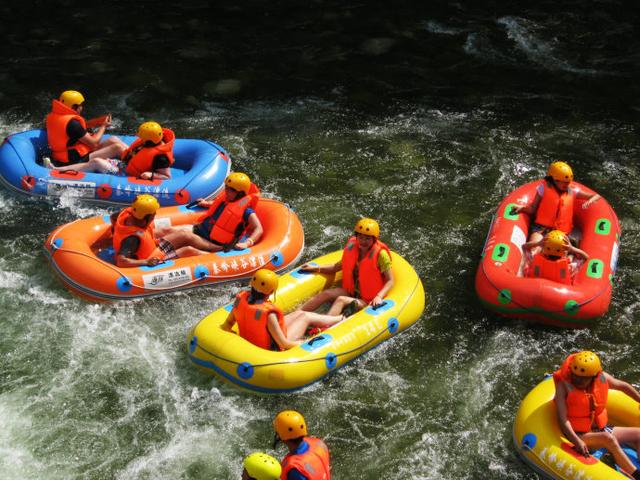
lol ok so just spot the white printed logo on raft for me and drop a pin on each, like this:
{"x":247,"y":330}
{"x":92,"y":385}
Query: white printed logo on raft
{"x":80,"y":189}
{"x":168,"y":279}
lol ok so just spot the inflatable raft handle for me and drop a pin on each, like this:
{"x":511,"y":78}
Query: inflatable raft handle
{"x":380,"y":306}
{"x":190,"y":205}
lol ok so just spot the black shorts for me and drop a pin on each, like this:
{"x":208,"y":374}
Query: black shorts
{"x":202,"y":234}
{"x":74,"y":158}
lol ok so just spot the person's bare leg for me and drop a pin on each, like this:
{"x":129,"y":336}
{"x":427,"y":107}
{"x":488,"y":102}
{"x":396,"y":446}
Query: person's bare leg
{"x":325,"y":296}
{"x":299,"y":321}
{"x":341,"y":303}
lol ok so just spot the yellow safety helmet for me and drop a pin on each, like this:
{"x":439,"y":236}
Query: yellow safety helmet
{"x":144,"y":205}
{"x":555,"y":243}
{"x":265,"y":281}
{"x":289,"y":424}
{"x":585,"y":364}
{"x":560,"y":172}
{"x":71,"y":98}
{"x":150,"y":132}
{"x":240,"y":182}
{"x":262,"y":466}
{"x":368,"y":226}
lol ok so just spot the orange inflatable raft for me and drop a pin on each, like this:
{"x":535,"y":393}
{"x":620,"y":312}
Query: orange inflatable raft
{"x":82,"y":255}
{"x":502,"y":288}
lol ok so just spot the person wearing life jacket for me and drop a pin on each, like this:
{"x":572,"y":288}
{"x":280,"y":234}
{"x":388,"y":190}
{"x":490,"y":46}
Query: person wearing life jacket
{"x":134,"y":239}
{"x":263,"y":324}
{"x":555,"y":260}
{"x":308,"y":457}
{"x":582,"y":390}
{"x":229,"y":218}
{"x":260,"y":466}
{"x":69,"y":140}
{"x":367,"y":276}
{"x":149,"y":156}
{"x":552,"y":207}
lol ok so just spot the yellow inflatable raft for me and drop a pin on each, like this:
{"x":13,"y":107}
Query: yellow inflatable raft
{"x":542,"y":445}
{"x":252,"y":368}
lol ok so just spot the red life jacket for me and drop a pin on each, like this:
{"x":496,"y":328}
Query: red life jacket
{"x":121,"y":231}
{"x":313,"y":464}
{"x":584,"y":407}
{"x":56,"y":124}
{"x":139,"y":157}
{"x":556,"y":270}
{"x":555,"y":209}
{"x":370,"y":279}
{"x":230,"y":225}
{"x":252,"y":320}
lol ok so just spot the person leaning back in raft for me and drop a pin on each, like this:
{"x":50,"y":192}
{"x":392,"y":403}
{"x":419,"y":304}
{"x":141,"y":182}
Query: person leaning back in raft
{"x":554,"y":258}
{"x":308,"y":457}
{"x":149,"y":156}
{"x":69,"y":140}
{"x":228,"y":217}
{"x":366,"y":272}
{"x":263,"y":324}
{"x":134,"y":238}
{"x":552,"y":207}
{"x":582,"y":389}
{"x":260,"y":466}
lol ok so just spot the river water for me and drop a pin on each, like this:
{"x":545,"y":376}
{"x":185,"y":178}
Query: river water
{"x":421,"y":116}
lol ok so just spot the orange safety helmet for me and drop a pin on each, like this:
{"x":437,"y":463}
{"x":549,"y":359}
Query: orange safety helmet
{"x":560,"y":172}
{"x":555,"y":243}
{"x":585,"y":364}
{"x":289,"y":424}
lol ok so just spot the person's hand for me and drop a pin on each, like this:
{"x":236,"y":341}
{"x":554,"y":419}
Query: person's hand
{"x":306,"y":268}
{"x":152,"y":262}
{"x":107,"y":121}
{"x":146,"y":175}
{"x":241,"y":245}
{"x":376,"y":302}
{"x":582,"y":448}
{"x":201,"y":202}
{"x":588,"y":203}
{"x":517,"y":209}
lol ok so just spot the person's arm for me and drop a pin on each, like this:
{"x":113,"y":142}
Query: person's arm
{"x":93,"y":140}
{"x":623,"y":386}
{"x":590,"y":197}
{"x":159,"y":169}
{"x":530,"y":208}
{"x":388,"y":284}
{"x":255,"y":227}
{"x":336,"y":267}
{"x":276,"y":333}
{"x":577,"y":252}
{"x":125,"y":257}
{"x":563,"y":421}
{"x":228,"y":324}
{"x":532,"y":245}
{"x":294,"y":474}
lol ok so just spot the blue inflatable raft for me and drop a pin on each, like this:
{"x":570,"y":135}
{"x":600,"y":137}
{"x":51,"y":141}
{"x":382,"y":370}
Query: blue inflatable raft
{"x":198,"y":172}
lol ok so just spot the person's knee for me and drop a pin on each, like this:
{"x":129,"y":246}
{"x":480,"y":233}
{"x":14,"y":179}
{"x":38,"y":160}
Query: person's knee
{"x":611,"y":442}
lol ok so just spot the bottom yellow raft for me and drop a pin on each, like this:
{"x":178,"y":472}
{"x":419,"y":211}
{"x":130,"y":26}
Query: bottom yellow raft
{"x":542,"y":445}
{"x":251,"y":368}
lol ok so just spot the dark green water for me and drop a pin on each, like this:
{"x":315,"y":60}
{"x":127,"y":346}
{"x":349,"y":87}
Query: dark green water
{"x":423,"y":117}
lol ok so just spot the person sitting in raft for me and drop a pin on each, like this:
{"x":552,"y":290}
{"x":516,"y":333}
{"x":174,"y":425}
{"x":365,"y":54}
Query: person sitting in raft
{"x":260,"y":466}
{"x":308,"y":457}
{"x":148,"y":157}
{"x":552,"y":207}
{"x":70,"y":141}
{"x":582,"y":389}
{"x":366,"y":272}
{"x":134,"y":240}
{"x":228,"y":217}
{"x":263,"y":324}
{"x":554,"y":257}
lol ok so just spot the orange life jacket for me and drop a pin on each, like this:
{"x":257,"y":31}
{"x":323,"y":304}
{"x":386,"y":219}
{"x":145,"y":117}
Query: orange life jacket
{"x":252,"y":320}
{"x":56,"y":124}
{"x":556,"y":270}
{"x":121,"y":231}
{"x":139,"y":157}
{"x":313,"y":464}
{"x":230,"y":225}
{"x":370,"y":279}
{"x":584,"y":408}
{"x":555,"y":209}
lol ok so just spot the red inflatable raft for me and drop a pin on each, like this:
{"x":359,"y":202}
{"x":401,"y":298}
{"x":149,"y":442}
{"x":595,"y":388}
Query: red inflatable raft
{"x":503,"y":289}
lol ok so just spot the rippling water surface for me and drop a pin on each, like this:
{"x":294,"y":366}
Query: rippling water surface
{"x":423,"y":117}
